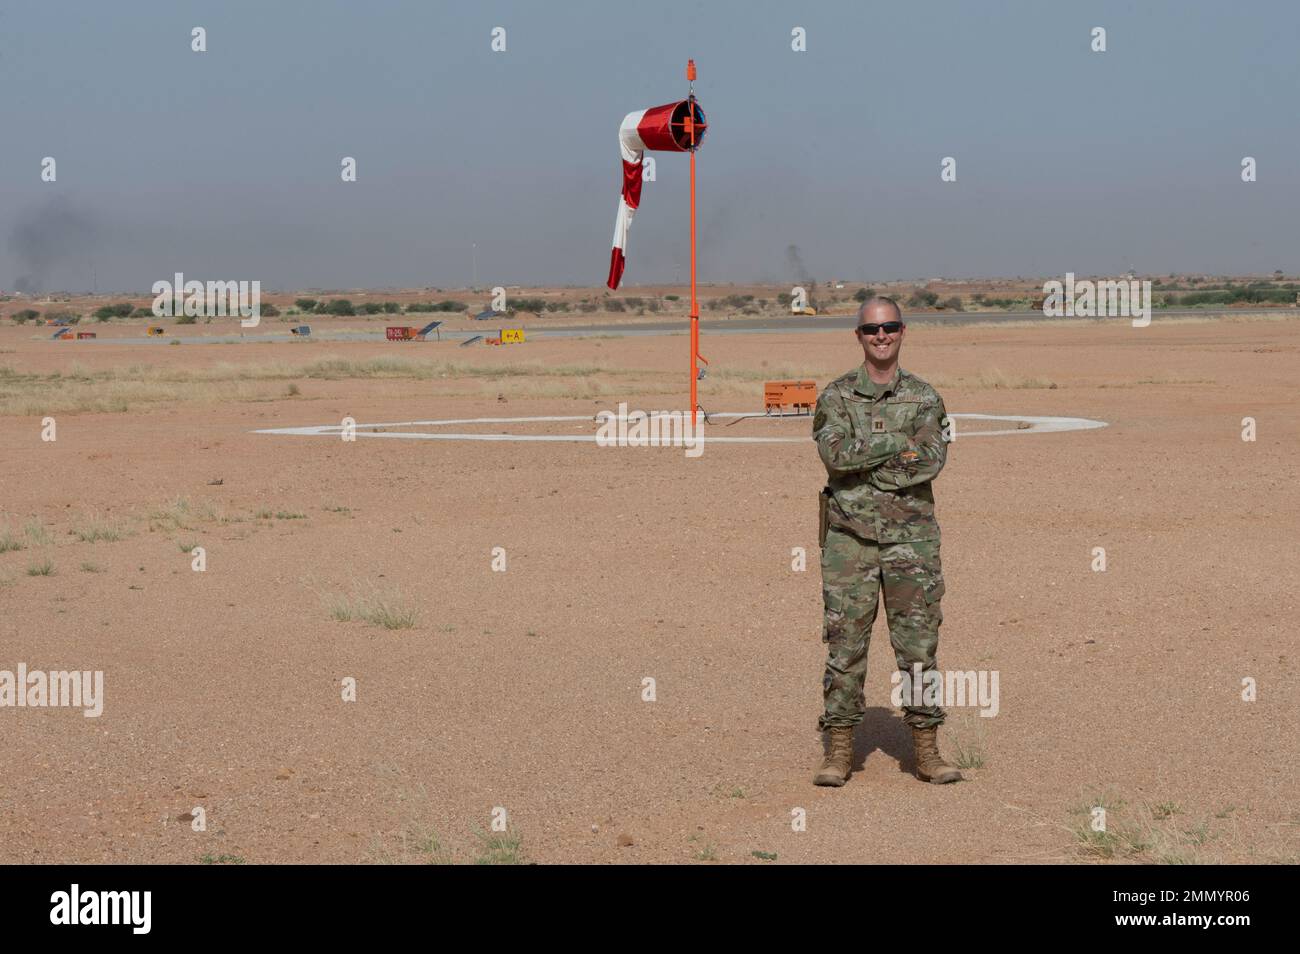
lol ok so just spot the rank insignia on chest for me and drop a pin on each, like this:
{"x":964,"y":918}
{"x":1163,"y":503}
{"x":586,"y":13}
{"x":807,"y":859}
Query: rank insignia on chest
{"x":877,"y":425}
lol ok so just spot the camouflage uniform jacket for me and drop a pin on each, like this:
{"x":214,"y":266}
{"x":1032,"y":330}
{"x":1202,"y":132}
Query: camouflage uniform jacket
{"x":882,"y":445}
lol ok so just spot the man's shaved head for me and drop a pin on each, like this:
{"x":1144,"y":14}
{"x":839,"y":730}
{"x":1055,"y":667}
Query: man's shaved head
{"x":876,"y":304}
{"x":881,"y":347}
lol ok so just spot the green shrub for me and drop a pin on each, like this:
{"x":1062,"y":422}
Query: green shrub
{"x":1203,"y":298}
{"x":1258,"y":295}
{"x":305,"y":304}
{"x":26,"y":315}
{"x":445,"y":305}
{"x":340,"y":306}
{"x":615,"y":305}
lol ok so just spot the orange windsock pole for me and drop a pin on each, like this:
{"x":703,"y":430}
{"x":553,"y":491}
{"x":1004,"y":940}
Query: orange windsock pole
{"x":673,"y":127}
{"x":691,"y":117}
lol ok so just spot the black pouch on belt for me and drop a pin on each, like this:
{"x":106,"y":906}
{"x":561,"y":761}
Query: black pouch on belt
{"x":823,"y":515}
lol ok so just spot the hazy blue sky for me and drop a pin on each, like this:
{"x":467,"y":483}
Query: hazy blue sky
{"x":225,"y":164}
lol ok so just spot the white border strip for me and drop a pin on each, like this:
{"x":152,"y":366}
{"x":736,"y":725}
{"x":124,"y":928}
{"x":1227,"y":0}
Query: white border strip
{"x":1037,"y":425}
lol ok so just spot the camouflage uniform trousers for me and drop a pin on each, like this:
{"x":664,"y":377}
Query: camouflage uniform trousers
{"x":854,"y":573}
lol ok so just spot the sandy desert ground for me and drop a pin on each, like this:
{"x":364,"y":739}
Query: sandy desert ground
{"x":524,"y":689}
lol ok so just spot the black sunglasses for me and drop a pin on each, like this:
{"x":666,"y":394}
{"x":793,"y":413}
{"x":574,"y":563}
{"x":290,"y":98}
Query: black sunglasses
{"x":891,"y":328}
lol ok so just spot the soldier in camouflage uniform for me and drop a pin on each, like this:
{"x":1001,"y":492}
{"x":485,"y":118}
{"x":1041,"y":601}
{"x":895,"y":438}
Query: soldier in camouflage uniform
{"x":880,"y":433}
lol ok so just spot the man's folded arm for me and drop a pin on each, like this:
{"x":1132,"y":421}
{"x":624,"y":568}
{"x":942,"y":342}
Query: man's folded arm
{"x":923,"y":457}
{"x":840,"y":451}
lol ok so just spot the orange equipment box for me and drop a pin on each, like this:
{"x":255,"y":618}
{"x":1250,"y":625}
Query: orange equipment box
{"x":799,"y":396}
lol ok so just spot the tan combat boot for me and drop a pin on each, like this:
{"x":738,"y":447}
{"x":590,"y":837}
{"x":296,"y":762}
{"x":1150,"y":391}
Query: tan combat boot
{"x":929,"y":763}
{"x":839,"y":756}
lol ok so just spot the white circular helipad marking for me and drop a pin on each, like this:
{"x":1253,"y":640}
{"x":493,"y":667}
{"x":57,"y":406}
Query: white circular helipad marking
{"x":1037,"y":425}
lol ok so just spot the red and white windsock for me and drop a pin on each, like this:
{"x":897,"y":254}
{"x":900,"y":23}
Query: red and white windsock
{"x":673,"y":127}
